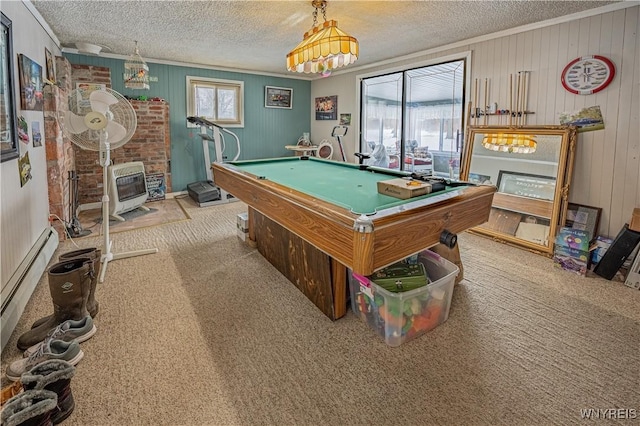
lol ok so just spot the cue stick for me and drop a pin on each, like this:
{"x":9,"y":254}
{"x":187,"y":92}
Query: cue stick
{"x":518,"y":99}
{"x":475,"y":104}
{"x":510,"y":98}
{"x":524,"y":101}
{"x":520,"y":105}
{"x":486,"y":104}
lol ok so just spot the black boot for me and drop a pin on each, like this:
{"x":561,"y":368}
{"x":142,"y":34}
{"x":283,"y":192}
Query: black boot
{"x":69,"y":284}
{"x":95,"y":255}
{"x":53,"y":375}
{"x":30,"y":408}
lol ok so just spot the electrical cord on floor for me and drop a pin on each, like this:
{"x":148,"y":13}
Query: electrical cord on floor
{"x":65,"y":224}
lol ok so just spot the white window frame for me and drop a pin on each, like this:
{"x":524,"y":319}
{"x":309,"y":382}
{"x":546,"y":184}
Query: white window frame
{"x":215,"y":83}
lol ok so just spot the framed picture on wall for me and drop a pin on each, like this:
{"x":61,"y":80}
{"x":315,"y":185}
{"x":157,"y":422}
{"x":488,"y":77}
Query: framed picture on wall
{"x":278,"y":97}
{"x":327,"y":108}
{"x":31,"y":95}
{"x":51,"y":70}
{"x":9,"y":131}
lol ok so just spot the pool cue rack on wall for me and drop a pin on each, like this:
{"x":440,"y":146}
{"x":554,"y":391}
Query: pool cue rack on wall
{"x":515,"y":115}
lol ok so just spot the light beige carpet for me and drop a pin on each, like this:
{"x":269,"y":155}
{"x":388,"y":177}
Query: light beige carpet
{"x":206,"y":332}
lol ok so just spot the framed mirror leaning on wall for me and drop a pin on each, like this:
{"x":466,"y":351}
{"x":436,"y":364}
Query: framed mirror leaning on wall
{"x":531,"y":167}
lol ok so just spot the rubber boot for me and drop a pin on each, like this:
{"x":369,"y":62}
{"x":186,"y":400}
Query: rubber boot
{"x":69,"y":284}
{"x":55,"y":376}
{"x":95,"y":255}
{"x":30,"y":408}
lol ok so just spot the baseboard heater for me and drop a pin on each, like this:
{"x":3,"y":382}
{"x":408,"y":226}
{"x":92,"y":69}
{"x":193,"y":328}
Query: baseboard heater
{"x":20,"y":287}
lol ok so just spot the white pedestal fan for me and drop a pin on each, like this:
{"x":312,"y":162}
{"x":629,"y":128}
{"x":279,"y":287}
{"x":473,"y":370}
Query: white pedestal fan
{"x":101,"y":121}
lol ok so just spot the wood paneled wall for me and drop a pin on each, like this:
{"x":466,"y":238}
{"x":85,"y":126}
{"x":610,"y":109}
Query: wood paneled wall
{"x":607,"y":166}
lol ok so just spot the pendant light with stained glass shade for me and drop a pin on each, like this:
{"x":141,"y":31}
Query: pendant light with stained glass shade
{"x":324,"y":47}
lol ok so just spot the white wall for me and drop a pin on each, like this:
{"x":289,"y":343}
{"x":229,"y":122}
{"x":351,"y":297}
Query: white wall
{"x":24,"y":211}
{"x":607,"y":166}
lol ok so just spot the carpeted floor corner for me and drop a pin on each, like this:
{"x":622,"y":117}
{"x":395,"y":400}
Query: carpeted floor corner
{"x":206,"y":332}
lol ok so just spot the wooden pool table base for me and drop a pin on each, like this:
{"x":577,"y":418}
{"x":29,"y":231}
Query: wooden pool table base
{"x":321,"y":278}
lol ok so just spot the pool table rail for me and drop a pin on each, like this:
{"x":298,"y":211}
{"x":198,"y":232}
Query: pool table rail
{"x":398,"y":231}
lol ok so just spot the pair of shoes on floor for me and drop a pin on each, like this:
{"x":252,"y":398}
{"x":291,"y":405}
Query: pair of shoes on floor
{"x":53,"y":348}
{"x":67,"y":331}
{"x":49,"y":350}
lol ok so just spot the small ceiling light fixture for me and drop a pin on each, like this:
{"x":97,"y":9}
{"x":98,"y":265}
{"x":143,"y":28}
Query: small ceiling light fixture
{"x":88,"y":48}
{"x":323,"y":48}
{"x":136,"y":72}
{"x":512,"y":143}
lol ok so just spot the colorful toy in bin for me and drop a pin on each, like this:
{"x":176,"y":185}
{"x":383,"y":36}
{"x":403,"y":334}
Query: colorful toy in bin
{"x":399,"y":316}
{"x":401,"y":276}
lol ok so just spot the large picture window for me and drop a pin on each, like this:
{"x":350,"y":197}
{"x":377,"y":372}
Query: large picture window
{"x":216,"y":100}
{"x":8,"y":129}
{"x":412,"y":119}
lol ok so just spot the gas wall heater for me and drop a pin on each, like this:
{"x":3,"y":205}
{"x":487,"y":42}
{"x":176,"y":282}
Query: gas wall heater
{"x":127,"y":188}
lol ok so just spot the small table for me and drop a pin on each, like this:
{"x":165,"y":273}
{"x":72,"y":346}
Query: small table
{"x":303,"y":149}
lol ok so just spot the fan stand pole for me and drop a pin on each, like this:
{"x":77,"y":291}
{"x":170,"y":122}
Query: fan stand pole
{"x":107,"y":255}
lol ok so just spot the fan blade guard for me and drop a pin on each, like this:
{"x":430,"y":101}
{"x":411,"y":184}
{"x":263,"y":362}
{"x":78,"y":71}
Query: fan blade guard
{"x":115,"y":132}
{"x":74,"y":123}
{"x":101,"y":100}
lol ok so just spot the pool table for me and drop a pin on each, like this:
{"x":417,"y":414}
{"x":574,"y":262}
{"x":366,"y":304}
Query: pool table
{"x":314,"y":218}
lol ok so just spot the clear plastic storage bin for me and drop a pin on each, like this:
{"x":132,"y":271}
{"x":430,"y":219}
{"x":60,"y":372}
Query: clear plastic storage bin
{"x":400,"y":317}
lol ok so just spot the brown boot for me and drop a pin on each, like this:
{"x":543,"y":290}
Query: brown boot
{"x":30,"y":408}
{"x":53,"y":375}
{"x":95,"y":255}
{"x":69,"y":284}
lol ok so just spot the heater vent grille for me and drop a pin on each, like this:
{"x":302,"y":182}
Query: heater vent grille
{"x":127,"y":169}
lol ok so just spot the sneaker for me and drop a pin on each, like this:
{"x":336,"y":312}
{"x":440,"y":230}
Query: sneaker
{"x":51,"y":349}
{"x":69,"y":330}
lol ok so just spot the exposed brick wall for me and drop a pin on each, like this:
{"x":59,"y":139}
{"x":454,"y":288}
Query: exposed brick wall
{"x":90,"y":74}
{"x":60,"y":155}
{"x":148,"y":144}
{"x":151,"y":143}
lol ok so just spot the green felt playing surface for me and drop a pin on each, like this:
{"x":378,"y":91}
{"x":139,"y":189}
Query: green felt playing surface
{"x":343,"y":184}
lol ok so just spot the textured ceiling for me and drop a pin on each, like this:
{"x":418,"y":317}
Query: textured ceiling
{"x":257,"y":35}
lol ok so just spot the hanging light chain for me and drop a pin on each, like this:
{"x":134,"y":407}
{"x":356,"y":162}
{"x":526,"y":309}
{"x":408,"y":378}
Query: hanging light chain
{"x":322,"y":4}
